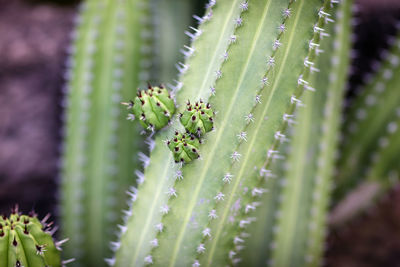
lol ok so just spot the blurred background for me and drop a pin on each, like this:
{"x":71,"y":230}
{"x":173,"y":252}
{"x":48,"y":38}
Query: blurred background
{"x":34,"y":36}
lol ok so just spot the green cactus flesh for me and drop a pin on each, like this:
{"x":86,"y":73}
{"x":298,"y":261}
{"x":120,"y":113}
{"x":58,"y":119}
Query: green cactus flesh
{"x":25,"y":241}
{"x":153,"y":107}
{"x":185,"y":147}
{"x":245,"y":53}
{"x":197,"y":118}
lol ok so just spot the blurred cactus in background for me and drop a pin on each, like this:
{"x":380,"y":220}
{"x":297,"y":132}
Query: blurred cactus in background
{"x":27,"y":241}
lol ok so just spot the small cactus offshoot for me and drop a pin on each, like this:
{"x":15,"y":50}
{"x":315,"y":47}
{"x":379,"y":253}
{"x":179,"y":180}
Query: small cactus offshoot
{"x":184,"y":147}
{"x":26,"y":241}
{"x":197,"y":118}
{"x":154,"y":107}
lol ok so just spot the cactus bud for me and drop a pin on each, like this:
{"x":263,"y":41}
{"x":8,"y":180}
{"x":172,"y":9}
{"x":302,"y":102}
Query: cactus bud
{"x":153,"y":107}
{"x":25,"y":241}
{"x":185,"y":147}
{"x":198,"y":118}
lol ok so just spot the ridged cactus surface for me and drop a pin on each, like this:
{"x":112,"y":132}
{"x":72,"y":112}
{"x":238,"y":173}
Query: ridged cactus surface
{"x":293,"y":214}
{"x":251,"y":61}
{"x":27,"y":241}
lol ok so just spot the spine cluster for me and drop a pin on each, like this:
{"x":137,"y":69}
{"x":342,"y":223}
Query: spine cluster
{"x":197,"y":119}
{"x":154,"y":107}
{"x":26,"y":241}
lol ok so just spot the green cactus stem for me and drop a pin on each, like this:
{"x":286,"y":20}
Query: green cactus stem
{"x":197,"y":118}
{"x":153,"y":107}
{"x":185,"y":147}
{"x":26,"y":241}
{"x":251,"y":61}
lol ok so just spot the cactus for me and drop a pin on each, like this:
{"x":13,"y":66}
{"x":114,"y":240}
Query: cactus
{"x":154,"y":107}
{"x":26,"y":241}
{"x":198,"y":118}
{"x":261,"y":160}
{"x":182,"y":216}
{"x":99,"y":142}
{"x":293,"y":216}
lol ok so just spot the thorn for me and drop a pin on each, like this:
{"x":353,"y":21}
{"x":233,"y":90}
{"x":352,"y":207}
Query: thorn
{"x":258,"y":99}
{"x":61,"y":242}
{"x":199,"y":19}
{"x":296,"y":101}
{"x":242,"y":136}
{"x":122,"y":228}
{"x":171,"y":192}
{"x":238,"y":22}
{"x":201,"y":248}
{"x":148,"y":259}
{"x":286,"y":13}
{"x":154,"y":242}
{"x":276,"y":45}
{"x":159,"y":227}
{"x":44,"y":220}
{"x":211,"y":4}
{"x":52,"y":231}
{"x":220,"y":196}
{"x":212,"y":214}
{"x":236,"y":156}
{"x":71,"y":260}
{"x":130,"y":117}
{"x":237,"y":240}
{"x":227,"y":178}
{"x":140,"y":177}
{"x":206,"y":232}
{"x":232,"y":254}
{"x":164,"y":209}
{"x":258,"y":191}
{"x":249,"y":118}
{"x":114,"y":246}
{"x":288,"y":118}
{"x":271,"y":62}
{"x":264,"y":81}
{"x":282,"y":28}
{"x":244,"y":6}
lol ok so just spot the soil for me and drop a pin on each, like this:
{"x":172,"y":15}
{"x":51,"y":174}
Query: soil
{"x":34,"y":36}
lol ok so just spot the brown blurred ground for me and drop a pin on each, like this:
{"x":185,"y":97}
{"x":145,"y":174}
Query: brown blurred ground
{"x":33,"y":38}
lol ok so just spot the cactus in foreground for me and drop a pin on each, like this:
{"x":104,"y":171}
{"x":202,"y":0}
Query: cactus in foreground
{"x":26,"y":241}
{"x":293,"y":215}
{"x":261,"y":62}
